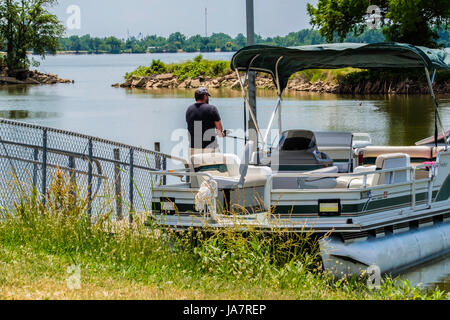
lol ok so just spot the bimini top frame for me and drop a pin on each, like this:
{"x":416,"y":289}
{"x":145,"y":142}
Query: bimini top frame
{"x":282,"y":62}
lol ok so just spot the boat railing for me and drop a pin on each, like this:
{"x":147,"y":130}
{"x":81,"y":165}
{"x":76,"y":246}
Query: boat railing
{"x":411,"y":181}
{"x":179,"y":173}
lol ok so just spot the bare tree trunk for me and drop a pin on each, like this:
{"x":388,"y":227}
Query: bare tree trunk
{"x":10,"y":60}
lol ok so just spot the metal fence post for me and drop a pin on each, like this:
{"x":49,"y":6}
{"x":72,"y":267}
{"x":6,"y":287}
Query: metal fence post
{"x":131,"y":183}
{"x":35,"y":166}
{"x":160,"y":162}
{"x":164,"y":167}
{"x":44,"y":165}
{"x":157,"y":156}
{"x":90,"y":177}
{"x":73,"y":178}
{"x":118,"y":183}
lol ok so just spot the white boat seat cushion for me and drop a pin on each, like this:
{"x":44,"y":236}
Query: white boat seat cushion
{"x":308,"y":182}
{"x":356,"y":181}
{"x":392,"y":161}
{"x":256,"y":177}
{"x":214,"y":164}
{"x":320,"y":182}
{"x":383,"y":162}
{"x":228,"y":170}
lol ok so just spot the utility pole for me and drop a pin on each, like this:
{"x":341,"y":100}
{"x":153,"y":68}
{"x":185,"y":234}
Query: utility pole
{"x":253,"y":136}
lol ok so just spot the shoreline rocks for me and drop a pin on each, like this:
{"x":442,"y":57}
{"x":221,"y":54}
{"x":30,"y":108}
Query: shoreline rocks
{"x":169,"y":81}
{"x":27,"y":77}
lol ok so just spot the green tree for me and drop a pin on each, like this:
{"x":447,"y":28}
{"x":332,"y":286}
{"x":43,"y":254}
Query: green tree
{"x":28,"y":25}
{"x":114,"y":44}
{"x":410,"y":21}
{"x":240,"y":40}
{"x":177,"y":38}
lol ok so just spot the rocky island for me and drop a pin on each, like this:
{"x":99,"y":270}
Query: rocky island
{"x":217,"y":74}
{"x":29,"y":77}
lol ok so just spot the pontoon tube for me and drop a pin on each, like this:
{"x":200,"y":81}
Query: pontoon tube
{"x":390,"y":253}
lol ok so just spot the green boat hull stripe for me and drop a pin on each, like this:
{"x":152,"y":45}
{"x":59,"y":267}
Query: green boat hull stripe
{"x":347,"y":209}
{"x":355,"y":209}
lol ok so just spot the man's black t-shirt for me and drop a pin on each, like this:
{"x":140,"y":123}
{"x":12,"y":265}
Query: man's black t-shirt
{"x":201,"y":118}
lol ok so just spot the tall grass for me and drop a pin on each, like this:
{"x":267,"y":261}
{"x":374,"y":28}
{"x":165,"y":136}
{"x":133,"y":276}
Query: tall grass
{"x":250,"y":264}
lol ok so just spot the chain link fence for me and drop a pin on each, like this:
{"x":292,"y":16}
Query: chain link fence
{"x":31,"y":154}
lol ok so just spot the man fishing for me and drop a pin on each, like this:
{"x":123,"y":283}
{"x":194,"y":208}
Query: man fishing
{"x":204,"y":124}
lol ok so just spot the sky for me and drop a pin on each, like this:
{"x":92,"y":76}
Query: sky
{"x":162,"y":17}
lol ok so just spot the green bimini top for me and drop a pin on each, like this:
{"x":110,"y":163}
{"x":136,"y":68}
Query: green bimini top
{"x":284,"y":62}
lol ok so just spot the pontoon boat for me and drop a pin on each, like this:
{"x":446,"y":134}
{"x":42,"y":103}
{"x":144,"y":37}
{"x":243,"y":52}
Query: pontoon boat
{"x":384,"y":205}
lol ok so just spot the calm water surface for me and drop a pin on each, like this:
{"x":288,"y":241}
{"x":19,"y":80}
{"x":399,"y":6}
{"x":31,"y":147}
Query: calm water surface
{"x":141,"y":118}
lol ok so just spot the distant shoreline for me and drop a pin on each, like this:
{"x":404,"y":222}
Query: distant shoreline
{"x":360,"y":86}
{"x":75,"y":53}
{"x":128,"y":53}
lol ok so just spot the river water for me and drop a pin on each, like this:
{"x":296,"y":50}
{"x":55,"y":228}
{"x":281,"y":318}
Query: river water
{"x":141,"y":118}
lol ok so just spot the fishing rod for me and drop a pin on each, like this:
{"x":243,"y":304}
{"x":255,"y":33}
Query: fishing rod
{"x":227,"y":135}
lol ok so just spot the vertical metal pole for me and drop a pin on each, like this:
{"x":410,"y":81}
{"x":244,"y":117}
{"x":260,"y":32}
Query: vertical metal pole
{"x":131,"y":195}
{"x":245,"y":122}
{"x":436,"y":106}
{"x":90,"y":151}
{"x":73,"y":178}
{"x":44,"y":166}
{"x":118,"y":184}
{"x":157,"y":157}
{"x":245,"y":108}
{"x":280,"y":126}
{"x":160,"y":161}
{"x":35,"y":166}
{"x":164,"y":169}
{"x":435,"y":117}
{"x":413,"y":188}
{"x":253,"y":136}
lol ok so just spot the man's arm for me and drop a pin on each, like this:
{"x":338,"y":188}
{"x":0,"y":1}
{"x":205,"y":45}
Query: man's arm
{"x":219,"y":128}
{"x":218,"y":121}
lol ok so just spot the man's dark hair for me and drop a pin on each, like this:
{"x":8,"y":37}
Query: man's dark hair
{"x":199,"y":96}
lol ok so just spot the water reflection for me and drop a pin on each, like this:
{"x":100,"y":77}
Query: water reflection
{"x":409,"y":119}
{"x":432,"y":274}
{"x":15,"y":89}
{"x":25,"y":114}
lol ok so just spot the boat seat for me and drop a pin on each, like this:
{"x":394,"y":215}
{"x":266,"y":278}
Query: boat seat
{"x":383,"y":162}
{"x":355,"y":181}
{"x":228,"y":170}
{"x":298,"y":151}
{"x":320,"y":182}
{"x":309,"y":182}
{"x":338,"y":146}
{"x":416,"y":153}
{"x":256,"y":177}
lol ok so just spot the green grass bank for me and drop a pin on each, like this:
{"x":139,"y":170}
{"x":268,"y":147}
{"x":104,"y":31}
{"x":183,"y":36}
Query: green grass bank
{"x":40,"y":245}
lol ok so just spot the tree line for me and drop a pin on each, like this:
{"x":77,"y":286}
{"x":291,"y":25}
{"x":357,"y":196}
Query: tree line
{"x":29,"y":25}
{"x":177,"y":42}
